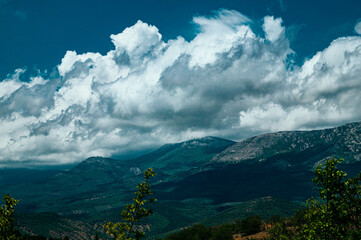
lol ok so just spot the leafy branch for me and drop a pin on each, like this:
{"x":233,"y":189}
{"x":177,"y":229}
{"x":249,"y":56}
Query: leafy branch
{"x":133,"y":213}
{"x":7,"y":220}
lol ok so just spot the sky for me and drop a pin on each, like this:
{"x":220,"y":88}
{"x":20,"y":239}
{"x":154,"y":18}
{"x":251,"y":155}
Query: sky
{"x":119,"y":78}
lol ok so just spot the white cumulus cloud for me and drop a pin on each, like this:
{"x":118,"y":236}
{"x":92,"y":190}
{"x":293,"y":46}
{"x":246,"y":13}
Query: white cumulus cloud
{"x":273,"y":28}
{"x":228,"y":81}
{"x":358,"y":27}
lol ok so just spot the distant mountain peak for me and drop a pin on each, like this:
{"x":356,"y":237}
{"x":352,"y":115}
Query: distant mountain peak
{"x":96,"y":164}
{"x":95,"y":159}
{"x":208,"y":141}
{"x":171,"y":159}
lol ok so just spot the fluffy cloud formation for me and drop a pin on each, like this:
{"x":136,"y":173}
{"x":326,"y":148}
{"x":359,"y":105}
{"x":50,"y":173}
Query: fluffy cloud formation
{"x":229,"y":81}
{"x":358,"y":27}
{"x":273,"y":28}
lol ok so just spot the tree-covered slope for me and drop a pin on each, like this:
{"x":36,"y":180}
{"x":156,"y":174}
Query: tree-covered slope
{"x":172,"y":159}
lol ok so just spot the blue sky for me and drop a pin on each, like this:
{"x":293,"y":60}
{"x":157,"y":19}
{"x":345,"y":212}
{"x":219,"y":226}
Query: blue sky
{"x":39,"y":32}
{"x":115,"y":78}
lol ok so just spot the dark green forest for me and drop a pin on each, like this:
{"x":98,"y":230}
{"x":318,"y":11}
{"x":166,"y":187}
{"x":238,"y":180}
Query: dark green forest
{"x":334,"y":214}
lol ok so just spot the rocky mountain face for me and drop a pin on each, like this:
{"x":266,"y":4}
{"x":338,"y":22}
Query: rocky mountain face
{"x":343,"y":141}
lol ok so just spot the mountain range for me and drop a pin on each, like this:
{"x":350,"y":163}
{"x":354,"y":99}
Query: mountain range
{"x":210,"y":180}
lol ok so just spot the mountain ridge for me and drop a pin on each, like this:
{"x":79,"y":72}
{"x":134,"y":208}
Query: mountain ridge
{"x":336,"y":141}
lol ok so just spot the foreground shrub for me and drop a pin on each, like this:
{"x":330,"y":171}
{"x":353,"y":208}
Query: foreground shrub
{"x":336,"y":214}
